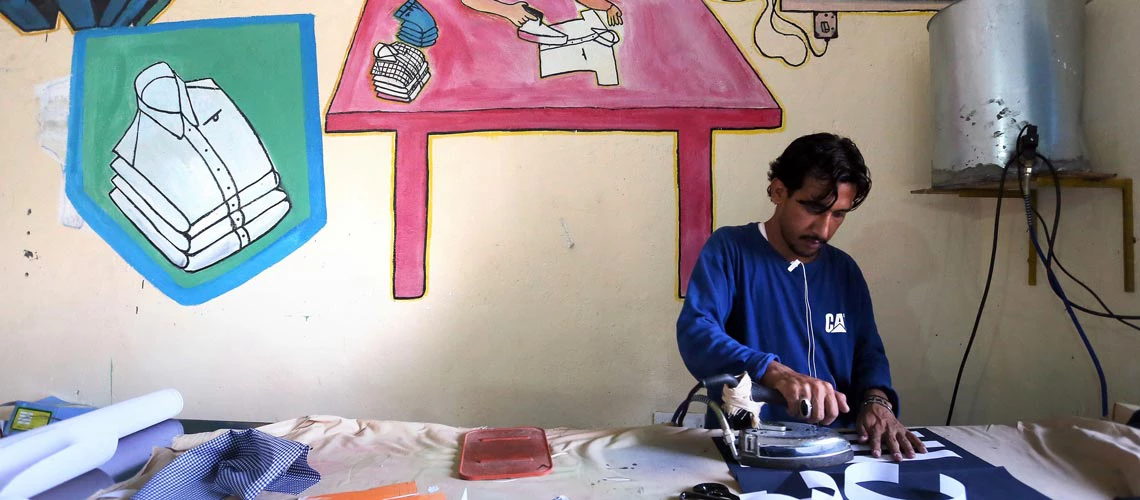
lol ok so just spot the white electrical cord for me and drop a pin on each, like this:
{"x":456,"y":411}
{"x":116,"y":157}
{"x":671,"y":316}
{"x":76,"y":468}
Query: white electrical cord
{"x":807,"y":319}
{"x":771,"y":12}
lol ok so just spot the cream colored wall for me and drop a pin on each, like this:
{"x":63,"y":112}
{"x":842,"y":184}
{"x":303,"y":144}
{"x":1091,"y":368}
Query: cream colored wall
{"x":520,"y":328}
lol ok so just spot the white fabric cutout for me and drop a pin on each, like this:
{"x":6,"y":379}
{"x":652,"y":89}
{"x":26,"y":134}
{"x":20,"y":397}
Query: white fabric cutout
{"x":929,"y":445}
{"x":889,"y":472}
{"x":918,"y":457}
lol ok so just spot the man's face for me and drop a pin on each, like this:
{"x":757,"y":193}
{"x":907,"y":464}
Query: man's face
{"x":806,"y":221}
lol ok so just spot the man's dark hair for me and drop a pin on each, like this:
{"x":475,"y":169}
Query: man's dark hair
{"x":826,"y":157}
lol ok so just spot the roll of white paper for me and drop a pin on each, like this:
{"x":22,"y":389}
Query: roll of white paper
{"x":34,"y":461}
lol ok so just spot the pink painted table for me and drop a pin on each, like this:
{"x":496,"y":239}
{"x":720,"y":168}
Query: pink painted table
{"x":679,"y":71}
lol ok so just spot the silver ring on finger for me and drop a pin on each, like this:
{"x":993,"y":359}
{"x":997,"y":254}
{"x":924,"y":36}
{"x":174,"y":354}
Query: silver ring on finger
{"x":805,"y":408}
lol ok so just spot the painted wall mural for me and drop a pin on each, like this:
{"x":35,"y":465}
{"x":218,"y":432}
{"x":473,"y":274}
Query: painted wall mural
{"x":40,"y":15}
{"x":196,"y":169}
{"x":427,"y":67}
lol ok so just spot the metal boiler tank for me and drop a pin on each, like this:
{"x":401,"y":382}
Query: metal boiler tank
{"x":997,"y":65}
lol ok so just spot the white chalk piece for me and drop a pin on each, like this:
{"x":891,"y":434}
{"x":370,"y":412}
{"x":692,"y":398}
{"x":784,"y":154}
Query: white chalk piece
{"x":37,"y":460}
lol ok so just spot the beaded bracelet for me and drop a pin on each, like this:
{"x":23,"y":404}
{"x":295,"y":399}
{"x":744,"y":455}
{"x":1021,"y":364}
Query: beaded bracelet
{"x":879,"y":400}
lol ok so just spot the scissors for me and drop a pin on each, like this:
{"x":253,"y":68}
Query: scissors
{"x":709,"y":491}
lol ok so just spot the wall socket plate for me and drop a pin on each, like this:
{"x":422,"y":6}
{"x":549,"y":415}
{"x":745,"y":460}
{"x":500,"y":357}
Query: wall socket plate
{"x":826,"y":25}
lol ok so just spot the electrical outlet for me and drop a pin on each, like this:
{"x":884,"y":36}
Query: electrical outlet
{"x":826,"y":25}
{"x":692,"y":420}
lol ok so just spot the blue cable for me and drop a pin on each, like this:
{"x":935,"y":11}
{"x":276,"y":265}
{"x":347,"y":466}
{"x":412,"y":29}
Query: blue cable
{"x":1056,"y":286}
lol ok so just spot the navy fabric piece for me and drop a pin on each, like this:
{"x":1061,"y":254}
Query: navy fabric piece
{"x":239,"y":463}
{"x":917,"y":479}
{"x":994,"y":483}
{"x":1135,"y":420}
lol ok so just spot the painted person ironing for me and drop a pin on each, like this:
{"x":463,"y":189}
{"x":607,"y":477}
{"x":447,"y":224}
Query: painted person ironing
{"x":776,"y":301}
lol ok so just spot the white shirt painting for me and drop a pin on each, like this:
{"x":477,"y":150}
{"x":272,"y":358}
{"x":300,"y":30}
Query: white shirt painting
{"x":191,"y":173}
{"x":583,"y":44}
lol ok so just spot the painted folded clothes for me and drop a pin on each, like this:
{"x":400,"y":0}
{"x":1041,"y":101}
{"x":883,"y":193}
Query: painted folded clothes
{"x":191,"y":173}
{"x":417,"y":26}
{"x":400,"y":72}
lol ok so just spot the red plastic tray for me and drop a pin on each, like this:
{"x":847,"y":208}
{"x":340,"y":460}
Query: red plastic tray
{"x":504,"y":453}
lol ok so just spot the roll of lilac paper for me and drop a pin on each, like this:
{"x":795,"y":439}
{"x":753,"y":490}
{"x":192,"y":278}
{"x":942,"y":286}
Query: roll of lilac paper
{"x":135,"y":449}
{"x":80,"y":487}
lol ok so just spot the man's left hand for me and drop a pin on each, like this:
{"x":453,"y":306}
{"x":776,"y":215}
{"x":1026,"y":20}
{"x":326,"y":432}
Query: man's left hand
{"x":879,"y":426}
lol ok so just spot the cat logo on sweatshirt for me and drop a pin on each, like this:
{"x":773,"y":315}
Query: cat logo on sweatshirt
{"x":835,"y":323}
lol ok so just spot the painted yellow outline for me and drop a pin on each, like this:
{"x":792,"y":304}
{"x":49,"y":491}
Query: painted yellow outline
{"x":676,"y":292}
{"x":712,"y":161}
{"x":743,"y":53}
{"x":59,"y":21}
{"x":161,"y":12}
{"x":340,"y":72}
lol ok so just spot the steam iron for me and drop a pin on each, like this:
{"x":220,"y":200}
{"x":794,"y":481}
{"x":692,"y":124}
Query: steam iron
{"x":773,"y":445}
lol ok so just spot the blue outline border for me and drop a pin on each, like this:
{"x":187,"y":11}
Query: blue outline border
{"x":120,"y":241}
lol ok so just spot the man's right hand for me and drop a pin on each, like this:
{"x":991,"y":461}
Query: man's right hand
{"x":826,"y":402}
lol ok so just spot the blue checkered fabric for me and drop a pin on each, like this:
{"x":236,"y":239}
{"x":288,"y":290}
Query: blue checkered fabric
{"x":238,"y":463}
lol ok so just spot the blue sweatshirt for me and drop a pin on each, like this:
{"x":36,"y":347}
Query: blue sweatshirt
{"x":745,"y":308}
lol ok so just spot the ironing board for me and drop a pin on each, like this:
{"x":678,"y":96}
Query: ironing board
{"x":679,"y":72}
{"x":1063,"y":458}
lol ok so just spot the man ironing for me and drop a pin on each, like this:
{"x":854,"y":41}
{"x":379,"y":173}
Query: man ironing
{"x":774,"y":300}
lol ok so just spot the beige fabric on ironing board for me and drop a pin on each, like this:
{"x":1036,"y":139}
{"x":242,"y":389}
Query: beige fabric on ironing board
{"x":1061,"y":458}
{"x":1070,"y":458}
